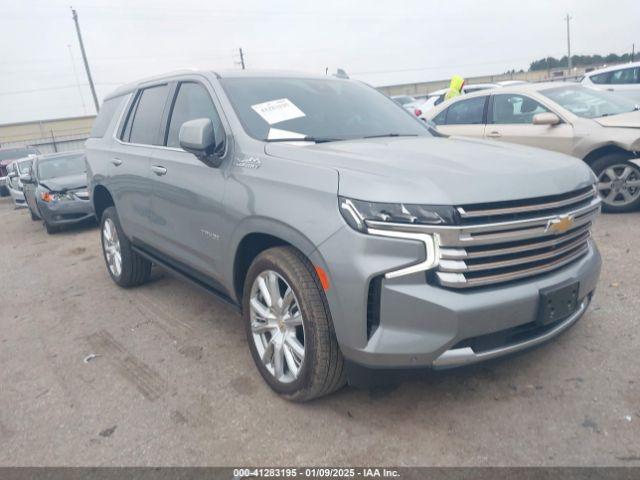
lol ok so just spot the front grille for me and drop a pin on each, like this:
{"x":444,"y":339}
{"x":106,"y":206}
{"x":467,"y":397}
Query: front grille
{"x":507,"y":241}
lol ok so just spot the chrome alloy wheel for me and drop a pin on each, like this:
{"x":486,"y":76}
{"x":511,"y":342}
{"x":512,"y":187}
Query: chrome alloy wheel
{"x":111,"y":245}
{"x":619,"y":184}
{"x":276,"y":326}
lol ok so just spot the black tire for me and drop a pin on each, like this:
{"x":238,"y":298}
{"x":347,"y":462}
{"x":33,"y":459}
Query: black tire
{"x":135,"y":269}
{"x":612,"y":160}
{"x":322,"y":371}
{"x":51,"y":229}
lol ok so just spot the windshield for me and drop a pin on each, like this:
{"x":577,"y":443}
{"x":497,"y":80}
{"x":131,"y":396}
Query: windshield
{"x":332,"y":109}
{"x":13,"y":153}
{"x":589,"y":103}
{"x":24,"y":166}
{"x":61,"y":166}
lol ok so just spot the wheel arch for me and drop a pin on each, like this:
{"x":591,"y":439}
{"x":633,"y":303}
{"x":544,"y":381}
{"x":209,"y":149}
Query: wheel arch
{"x":603,"y":150}
{"x":102,"y":199}
{"x":248,"y":243}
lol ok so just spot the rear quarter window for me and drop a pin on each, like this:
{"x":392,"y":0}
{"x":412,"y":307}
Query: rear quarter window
{"x":103,"y":120}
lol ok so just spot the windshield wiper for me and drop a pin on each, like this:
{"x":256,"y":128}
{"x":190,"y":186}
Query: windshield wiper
{"x":392,"y":135}
{"x":302,"y":139}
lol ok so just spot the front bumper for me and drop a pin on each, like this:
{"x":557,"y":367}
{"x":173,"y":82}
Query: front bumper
{"x":66,"y":212}
{"x":18,"y":198}
{"x":419,"y":323}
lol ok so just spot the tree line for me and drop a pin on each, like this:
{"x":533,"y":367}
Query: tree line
{"x":579,"y":61}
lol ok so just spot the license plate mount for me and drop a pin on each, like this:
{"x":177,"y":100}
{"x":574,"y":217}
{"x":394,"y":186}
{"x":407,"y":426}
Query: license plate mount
{"x":558,"y":302}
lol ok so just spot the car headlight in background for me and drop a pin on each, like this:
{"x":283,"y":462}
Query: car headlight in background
{"x":49,"y":197}
{"x":371,"y":217}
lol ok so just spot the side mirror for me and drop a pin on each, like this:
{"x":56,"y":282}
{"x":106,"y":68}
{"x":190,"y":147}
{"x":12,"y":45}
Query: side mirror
{"x":198,"y":137}
{"x":26,"y":178}
{"x":546,"y":118}
{"x":12,"y":174}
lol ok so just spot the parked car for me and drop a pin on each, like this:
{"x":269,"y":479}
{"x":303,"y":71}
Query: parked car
{"x":436,"y":97}
{"x":56,"y":190}
{"x":14,"y":184}
{"x":350,"y":237}
{"x":622,"y":79}
{"x":8,"y":155}
{"x":601,"y":128}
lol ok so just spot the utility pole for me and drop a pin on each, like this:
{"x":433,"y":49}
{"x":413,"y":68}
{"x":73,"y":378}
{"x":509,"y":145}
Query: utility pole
{"x":633,"y":52}
{"x":241,"y":58}
{"x":86,"y":63}
{"x":75,"y":74}
{"x":568,"y":19}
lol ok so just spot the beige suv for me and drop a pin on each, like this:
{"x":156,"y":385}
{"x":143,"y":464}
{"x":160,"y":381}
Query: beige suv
{"x":602,"y":128}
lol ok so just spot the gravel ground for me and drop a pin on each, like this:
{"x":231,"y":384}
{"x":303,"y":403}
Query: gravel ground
{"x":173,"y":382}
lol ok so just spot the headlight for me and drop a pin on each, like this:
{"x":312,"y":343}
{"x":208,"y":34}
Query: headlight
{"x":358,"y":212}
{"x":361,"y":216}
{"x":55,"y":197}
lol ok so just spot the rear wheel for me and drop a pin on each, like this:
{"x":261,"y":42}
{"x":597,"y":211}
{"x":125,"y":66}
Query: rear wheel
{"x":618,"y":183}
{"x":289,"y":327}
{"x":126,"y":267}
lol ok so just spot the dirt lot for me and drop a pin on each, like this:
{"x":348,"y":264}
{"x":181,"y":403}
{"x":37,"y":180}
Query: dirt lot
{"x":174,"y":384}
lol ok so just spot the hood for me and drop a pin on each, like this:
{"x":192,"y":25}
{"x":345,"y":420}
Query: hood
{"x":441,"y":171}
{"x":456,"y":83}
{"x":70,"y":182}
{"x":624,"y":120}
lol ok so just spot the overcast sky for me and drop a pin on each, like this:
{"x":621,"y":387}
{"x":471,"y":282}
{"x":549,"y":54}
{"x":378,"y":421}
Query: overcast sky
{"x":380,"y":42}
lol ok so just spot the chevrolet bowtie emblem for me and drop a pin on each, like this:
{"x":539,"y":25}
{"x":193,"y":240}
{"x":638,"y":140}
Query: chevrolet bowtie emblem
{"x":560,"y":224}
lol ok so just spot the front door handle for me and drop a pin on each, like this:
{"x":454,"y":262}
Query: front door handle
{"x":494,"y":134}
{"x":116,"y":161}
{"x":158,"y":170}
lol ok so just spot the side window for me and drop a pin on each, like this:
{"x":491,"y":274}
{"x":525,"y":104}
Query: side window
{"x":440,"y":118}
{"x":466,"y":112}
{"x":513,"y":109}
{"x":192,"y":101}
{"x":103,"y":120}
{"x":625,"y":76}
{"x":143,"y":124}
{"x":601,"y":78}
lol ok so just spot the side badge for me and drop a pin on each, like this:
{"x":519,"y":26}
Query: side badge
{"x":248,"y":162}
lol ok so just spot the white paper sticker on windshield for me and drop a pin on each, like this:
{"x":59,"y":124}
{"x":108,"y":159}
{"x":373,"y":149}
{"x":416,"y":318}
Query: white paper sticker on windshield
{"x":276,"y":133}
{"x":276,"y":111}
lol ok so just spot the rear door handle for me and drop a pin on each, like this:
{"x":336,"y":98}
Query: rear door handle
{"x":494,"y":134}
{"x":158,"y":170}
{"x":116,"y":161}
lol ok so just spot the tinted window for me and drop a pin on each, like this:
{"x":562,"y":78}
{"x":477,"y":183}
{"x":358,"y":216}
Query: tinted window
{"x":61,"y":166}
{"x":509,"y":109}
{"x":102,"y":121}
{"x":328,"y":108}
{"x":193,"y":101}
{"x":441,"y":118}
{"x":626,"y":76}
{"x":466,"y":112}
{"x":148,"y":115}
{"x":601,"y":78}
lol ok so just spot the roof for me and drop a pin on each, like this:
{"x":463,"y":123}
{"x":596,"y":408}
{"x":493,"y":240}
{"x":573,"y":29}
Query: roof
{"x":130,"y":87}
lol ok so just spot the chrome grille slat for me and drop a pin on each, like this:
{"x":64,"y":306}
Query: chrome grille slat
{"x":534,"y":207}
{"x":462,"y":267}
{"x":505,"y":277}
{"x":462,"y":254}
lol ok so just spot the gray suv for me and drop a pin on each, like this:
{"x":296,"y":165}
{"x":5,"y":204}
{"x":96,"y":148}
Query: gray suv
{"x":351,"y":237}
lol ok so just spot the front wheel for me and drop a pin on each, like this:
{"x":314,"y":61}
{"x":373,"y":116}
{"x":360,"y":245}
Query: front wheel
{"x":126,"y":267}
{"x":618,"y":183}
{"x":289,"y":327}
